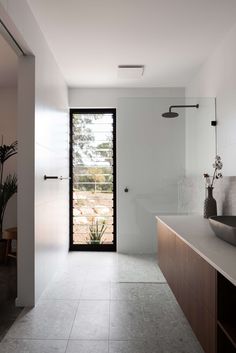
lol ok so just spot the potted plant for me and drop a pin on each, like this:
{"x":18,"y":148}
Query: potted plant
{"x":8,"y":187}
{"x":97,"y":229}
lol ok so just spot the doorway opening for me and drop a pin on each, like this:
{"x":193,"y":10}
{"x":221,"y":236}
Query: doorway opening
{"x":93,"y":179}
{"x":8,"y":185}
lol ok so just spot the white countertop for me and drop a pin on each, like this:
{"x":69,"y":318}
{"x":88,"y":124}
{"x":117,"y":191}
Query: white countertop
{"x":197,"y":233}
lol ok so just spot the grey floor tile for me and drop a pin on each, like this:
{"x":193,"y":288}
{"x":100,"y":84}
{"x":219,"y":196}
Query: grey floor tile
{"x":48,"y":320}
{"x":91,"y":259}
{"x":92,"y":321}
{"x":87,"y":347}
{"x":159,"y":320}
{"x":163,"y":345}
{"x":64,"y":290}
{"x":181,"y":340}
{"x":126,"y":320}
{"x":141,"y":291}
{"x":138,"y":268}
{"x":95,"y":291}
{"x":161,"y":317}
{"x":32,"y":346}
{"x":135,"y":347}
{"x":112,"y":267}
{"x":165,"y":323}
{"x":100,"y":274}
{"x":71,"y":275}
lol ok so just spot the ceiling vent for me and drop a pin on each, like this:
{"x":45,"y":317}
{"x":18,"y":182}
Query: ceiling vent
{"x":132,"y":72}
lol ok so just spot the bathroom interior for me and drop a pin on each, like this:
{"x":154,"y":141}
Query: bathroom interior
{"x":166,"y":280}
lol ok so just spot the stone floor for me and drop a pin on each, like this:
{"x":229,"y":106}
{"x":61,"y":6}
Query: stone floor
{"x":104,"y":303}
{"x":8,"y":311}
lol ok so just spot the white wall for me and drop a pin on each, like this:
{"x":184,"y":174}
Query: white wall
{"x":45,"y":230}
{"x":150,"y":158}
{"x":26,"y":182}
{"x":216,"y":78}
{"x":108,"y":97}
{"x":8,"y":123}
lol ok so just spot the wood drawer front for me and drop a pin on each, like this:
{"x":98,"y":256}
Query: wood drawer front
{"x":166,"y":254}
{"x":202,"y":323}
{"x":193,"y":282}
{"x":196,"y":276}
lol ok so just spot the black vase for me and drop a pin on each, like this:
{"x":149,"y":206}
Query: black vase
{"x":210,"y":207}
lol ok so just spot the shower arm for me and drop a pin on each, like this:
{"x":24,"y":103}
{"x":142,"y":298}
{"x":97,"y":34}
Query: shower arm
{"x":183,"y":106}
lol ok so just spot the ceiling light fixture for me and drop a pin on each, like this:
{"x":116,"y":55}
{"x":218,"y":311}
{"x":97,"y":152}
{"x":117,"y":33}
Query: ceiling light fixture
{"x":130,"y":71}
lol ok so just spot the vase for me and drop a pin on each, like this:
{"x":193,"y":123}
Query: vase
{"x":210,"y":207}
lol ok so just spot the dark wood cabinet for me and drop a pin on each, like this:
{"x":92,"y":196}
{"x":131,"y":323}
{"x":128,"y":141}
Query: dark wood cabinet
{"x":226,"y":315}
{"x":207,"y":298}
{"x":193,"y":282}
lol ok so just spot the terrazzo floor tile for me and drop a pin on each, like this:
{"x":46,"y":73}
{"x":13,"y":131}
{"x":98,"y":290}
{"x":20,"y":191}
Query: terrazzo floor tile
{"x":138,"y":268}
{"x":141,"y":291}
{"x":161,"y":317}
{"x":72,"y":274}
{"x":126,"y":320}
{"x":135,"y":347}
{"x":91,"y":321}
{"x":158,"y":346}
{"x":115,"y":267}
{"x":75,"y":346}
{"x":181,"y":340}
{"x":67,"y":290}
{"x":87,"y":259}
{"x":151,"y":320}
{"x":95,"y":291}
{"x":100,"y":274}
{"x":50,"y":319}
{"x":32,"y":346}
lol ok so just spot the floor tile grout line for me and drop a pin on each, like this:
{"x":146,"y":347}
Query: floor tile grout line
{"x":34,"y":339}
{"x":109,"y":340}
{"x":72,"y":326}
{"x":67,"y":343}
{"x":140,"y":282}
{"x":99,"y":299}
{"x":78,"y":339}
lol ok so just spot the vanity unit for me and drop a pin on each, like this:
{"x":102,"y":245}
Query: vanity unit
{"x":201,"y":271}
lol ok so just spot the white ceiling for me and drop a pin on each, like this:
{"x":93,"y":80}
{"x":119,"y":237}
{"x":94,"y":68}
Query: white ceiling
{"x":8,"y":65}
{"x":90,"y":38}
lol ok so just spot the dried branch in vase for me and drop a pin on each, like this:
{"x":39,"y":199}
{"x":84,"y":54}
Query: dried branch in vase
{"x":217,"y":165}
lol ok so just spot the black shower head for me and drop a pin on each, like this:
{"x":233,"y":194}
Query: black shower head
{"x":171,"y":114}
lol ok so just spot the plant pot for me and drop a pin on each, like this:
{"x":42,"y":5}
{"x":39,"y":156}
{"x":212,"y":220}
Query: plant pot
{"x":95,"y":242}
{"x":210,"y":207}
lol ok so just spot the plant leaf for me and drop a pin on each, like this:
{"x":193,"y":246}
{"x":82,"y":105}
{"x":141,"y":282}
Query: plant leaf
{"x":7,"y":190}
{"x":7,"y":151}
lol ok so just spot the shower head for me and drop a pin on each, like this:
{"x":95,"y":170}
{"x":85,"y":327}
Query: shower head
{"x":171,"y":114}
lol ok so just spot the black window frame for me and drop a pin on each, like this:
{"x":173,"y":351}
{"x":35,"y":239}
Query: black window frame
{"x":92,"y":247}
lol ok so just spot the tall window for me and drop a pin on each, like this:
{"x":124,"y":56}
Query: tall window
{"x":92,"y":189}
